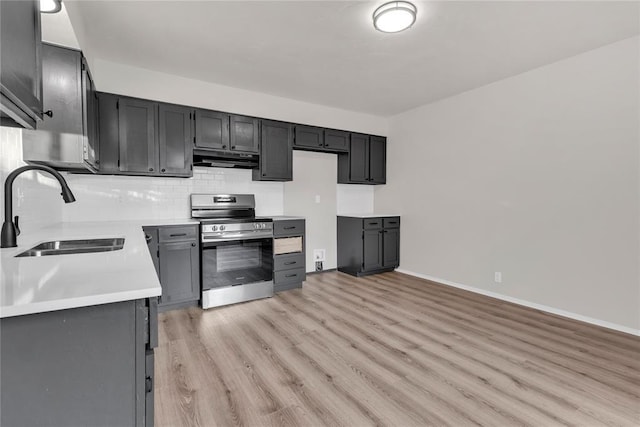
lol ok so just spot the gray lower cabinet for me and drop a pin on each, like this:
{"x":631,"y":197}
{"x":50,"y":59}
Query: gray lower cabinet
{"x":87,"y":366}
{"x":368,"y":245}
{"x":289,"y":269}
{"x":175,"y":250}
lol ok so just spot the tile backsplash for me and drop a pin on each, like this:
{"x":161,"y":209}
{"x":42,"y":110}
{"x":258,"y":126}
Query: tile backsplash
{"x":126,"y":197}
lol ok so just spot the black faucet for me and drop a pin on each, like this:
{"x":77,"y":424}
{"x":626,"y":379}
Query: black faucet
{"x":10,"y":230}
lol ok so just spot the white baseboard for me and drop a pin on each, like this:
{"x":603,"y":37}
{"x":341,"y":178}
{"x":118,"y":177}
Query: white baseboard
{"x":529,"y":304}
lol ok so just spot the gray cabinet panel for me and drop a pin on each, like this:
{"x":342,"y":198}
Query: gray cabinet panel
{"x":275,"y":152}
{"x":20,"y":63}
{"x":212,"y":130}
{"x":179,"y":272}
{"x":336,"y":140}
{"x":137,"y":135}
{"x":286,"y":262}
{"x":359,"y":158}
{"x":151,"y":235}
{"x":178,"y":233}
{"x":308,"y":137}
{"x":372,"y":223}
{"x":390,"y":247}
{"x":244,"y":134}
{"x":175,"y":140}
{"x":377,"y":160}
{"x":285,"y":277}
{"x":74,"y":367}
{"x":372,"y":248}
{"x":391,"y":222}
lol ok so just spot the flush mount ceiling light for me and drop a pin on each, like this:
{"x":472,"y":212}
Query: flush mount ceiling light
{"x":394,"y":16}
{"x":50,"y":6}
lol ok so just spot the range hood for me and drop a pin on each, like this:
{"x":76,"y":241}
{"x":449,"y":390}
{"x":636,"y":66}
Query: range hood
{"x":224,"y":159}
{"x":61,"y":151}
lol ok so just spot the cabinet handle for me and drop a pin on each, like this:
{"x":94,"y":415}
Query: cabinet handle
{"x":48,"y":113}
{"x":290,"y":262}
{"x":291,"y":227}
{"x":148,"y":385}
{"x":193,"y":245}
{"x":233,"y":147}
{"x":291,"y":275}
{"x":164,"y":170}
{"x":150,"y":169}
{"x":147,"y":238}
{"x":373,"y":223}
{"x":320,"y":144}
{"x":177,"y":235}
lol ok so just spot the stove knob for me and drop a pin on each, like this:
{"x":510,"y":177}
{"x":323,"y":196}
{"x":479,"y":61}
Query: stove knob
{"x":263,"y":225}
{"x":214,"y":228}
{"x":222,"y":228}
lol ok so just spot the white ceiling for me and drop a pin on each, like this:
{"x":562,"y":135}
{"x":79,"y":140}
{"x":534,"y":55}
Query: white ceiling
{"x":327,"y":52}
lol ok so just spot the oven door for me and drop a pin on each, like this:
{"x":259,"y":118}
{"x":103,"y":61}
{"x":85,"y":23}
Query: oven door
{"x":237,"y":262}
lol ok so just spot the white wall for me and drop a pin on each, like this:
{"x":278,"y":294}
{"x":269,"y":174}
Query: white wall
{"x":536,"y":176}
{"x":314,"y":174}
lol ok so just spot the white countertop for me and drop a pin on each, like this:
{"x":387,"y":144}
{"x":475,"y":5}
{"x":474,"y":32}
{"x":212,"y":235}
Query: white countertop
{"x":38,"y":284}
{"x":368,"y":215}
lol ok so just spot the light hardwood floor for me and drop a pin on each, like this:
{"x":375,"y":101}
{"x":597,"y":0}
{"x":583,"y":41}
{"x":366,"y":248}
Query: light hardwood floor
{"x":391,"y":350}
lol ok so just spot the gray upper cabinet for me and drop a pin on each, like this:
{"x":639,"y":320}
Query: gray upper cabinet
{"x":137,"y":136}
{"x":275,"y":152}
{"x":68,"y":92}
{"x":20,"y":64}
{"x":140,"y":137}
{"x":244,"y":134}
{"x":336,"y":140}
{"x":365,"y":163}
{"x":212,"y":130}
{"x":308,"y":137}
{"x":175,"y":141}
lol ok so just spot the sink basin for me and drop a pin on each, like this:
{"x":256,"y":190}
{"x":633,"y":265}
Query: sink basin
{"x":66,"y":247}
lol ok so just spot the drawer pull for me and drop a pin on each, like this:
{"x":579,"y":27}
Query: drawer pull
{"x":291,"y":227}
{"x":291,"y":275}
{"x":178,"y":235}
{"x":373,"y":223}
{"x":290,"y":262}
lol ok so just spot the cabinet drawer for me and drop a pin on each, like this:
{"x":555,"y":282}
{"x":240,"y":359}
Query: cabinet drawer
{"x":289,"y":276}
{"x":287,"y":245}
{"x":288,"y":262}
{"x":175,"y":233}
{"x":372,"y":223}
{"x":288,"y":228}
{"x":391,"y":222}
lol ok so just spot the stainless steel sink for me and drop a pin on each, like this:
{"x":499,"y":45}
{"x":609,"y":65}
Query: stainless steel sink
{"x":66,"y":247}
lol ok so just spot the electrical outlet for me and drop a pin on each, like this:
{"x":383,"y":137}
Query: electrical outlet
{"x":318,"y":255}
{"x":497,"y":277}
{"x":319,"y":266}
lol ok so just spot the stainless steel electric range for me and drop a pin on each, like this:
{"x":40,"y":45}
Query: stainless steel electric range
{"x":236,"y":258}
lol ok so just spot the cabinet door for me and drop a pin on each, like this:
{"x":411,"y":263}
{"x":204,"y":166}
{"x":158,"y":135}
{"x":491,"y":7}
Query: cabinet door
{"x":175,"y":141}
{"x":309,"y":137}
{"x":275,"y":152}
{"x":212,"y":130}
{"x":336,"y":140}
{"x":377,"y":160}
{"x":90,"y":115}
{"x":137,"y":123}
{"x":391,"y":247}
{"x":179,"y":276}
{"x":20,"y":62}
{"x":359,"y":158}
{"x":62,"y":90}
{"x":244,"y":135}
{"x":151,"y":236}
{"x":108,"y":134}
{"x":372,"y":250}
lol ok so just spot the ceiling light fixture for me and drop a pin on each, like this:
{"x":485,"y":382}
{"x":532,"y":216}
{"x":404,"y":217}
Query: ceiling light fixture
{"x":50,"y":6}
{"x":394,"y":16}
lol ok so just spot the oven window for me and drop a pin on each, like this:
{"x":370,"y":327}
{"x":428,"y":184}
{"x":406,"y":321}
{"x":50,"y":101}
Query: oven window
{"x":236,"y":263}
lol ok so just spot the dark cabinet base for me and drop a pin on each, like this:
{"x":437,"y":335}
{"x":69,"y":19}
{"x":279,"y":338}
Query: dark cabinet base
{"x":359,"y":273}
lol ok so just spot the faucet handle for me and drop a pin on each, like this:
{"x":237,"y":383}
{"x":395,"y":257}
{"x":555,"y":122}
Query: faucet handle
{"x":15,"y":221}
